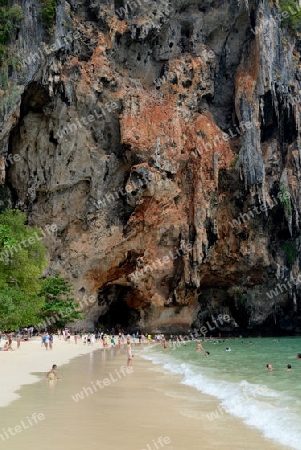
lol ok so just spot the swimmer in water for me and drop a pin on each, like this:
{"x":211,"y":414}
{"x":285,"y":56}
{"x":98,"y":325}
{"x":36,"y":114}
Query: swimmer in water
{"x":199,"y":347}
{"x":298,"y":356}
{"x":52,"y":375}
{"x":269,"y":367}
{"x":289,"y":368}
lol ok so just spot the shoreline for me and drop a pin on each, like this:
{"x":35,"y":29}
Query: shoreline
{"x":222,"y":430}
{"x":18,"y":366}
{"x":136,"y":411}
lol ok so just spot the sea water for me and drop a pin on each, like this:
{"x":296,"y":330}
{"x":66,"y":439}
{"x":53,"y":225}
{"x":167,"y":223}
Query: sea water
{"x":269,"y":401}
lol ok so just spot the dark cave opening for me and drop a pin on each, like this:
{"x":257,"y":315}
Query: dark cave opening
{"x":269,"y":119}
{"x":269,"y":123}
{"x":34,"y":99}
{"x":118,"y":315}
{"x":211,"y":232}
{"x":186,"y":30}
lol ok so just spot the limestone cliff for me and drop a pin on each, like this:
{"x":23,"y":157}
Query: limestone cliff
{"x":163,"y":140}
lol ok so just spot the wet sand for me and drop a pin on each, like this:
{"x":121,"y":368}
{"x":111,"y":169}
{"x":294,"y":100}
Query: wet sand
{"x":17,"y":365}
{"x":129,"y":411}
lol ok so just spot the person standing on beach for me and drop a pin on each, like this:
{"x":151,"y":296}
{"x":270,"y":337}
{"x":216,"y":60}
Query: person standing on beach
{"x":46,"y":340}
{"x":10,"y":341}
{"x":129,"y":353}
{"x":18,"y":337}
{"x":50,"y":341}
{"x":92,"y":339}
{"x":75,"y":337}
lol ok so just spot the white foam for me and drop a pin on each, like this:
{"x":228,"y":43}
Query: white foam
{"x":258,"y":406}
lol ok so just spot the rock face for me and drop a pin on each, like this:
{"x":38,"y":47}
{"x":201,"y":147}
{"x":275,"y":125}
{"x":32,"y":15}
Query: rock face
{"x":163,"y":140}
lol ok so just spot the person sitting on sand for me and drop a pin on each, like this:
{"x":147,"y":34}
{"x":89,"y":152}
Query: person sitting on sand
{"x":7,"y":347}
{"x":269,"y":367}
{"x":52,"y":375}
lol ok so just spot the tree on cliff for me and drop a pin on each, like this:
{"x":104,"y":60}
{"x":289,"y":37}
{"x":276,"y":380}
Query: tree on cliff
{"x":22,"y":261}
{"x":60,"y":307}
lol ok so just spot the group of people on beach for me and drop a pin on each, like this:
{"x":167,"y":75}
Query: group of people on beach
{"x":20,"y":335}
{"x":107,"y":339}
{"x":47,"y":340}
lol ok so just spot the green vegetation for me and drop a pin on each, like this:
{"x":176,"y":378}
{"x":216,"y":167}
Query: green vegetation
{"x":285,"y":199}
{"x":48,"y":13}
{"x":290,"y":250}
{"x":60,"y":307}
{"x":291,"y":15}
{"x":26,"y":298}
{"x":22,"y":261}
{"x":18,"y":309}
{"x":22,"y":255}
{"x":10,"y":18}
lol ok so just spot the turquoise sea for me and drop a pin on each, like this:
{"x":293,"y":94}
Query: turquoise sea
{"x":269,"y":401}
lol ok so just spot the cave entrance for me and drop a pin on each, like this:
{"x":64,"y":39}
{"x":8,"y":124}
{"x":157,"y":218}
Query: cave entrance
{"x":118,"y":315}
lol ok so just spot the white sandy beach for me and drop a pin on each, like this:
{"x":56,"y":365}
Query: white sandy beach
{"x":17,"y":366}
